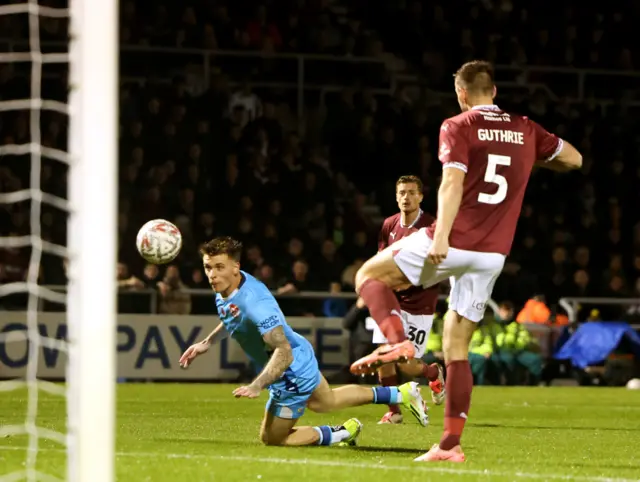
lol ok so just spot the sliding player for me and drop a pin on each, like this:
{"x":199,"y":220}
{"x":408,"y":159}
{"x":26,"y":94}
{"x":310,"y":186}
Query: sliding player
{"x":418,"y":304}
{"x":487,"y":156}
{"x":251,"y":316}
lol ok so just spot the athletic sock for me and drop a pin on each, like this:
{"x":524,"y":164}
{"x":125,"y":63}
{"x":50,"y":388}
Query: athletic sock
{"x":430,"y":372}
{"x":459,"y":384}
{"x":384,"y":308}
{"x":331,"y":435}
{"x":386,"y":395}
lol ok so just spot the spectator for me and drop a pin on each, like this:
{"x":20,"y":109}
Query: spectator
{"x":329,"y":266}
{"x":434,"y":353}
{"x":173,"y":298}
{"x":260,"y":29}
{"x":480,"y":352}
{"x":126,"y":281}
{"x":245,"y":103}
{"x":298,"y":280}
{"x":516,"y":349}
{"x":255,"y":260}
{"x":267,"y":276}
{"x":151,"y":276}
{"x":535,"y":310}
{"x":334,"y":307}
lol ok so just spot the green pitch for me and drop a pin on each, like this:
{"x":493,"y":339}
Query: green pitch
{"x":201,"y":433}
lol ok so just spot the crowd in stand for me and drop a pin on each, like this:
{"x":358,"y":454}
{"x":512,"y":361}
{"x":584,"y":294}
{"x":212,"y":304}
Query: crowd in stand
{"x":221,"y":158}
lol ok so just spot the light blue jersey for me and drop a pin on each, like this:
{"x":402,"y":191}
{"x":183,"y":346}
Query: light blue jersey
{"x":248,"y":314}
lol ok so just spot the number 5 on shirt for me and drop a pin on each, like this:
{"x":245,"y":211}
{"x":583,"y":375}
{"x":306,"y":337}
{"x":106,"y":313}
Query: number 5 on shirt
{"x":491,"y":176}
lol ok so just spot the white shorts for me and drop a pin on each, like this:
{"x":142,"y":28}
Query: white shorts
{"x":472,"y":274}
{"x":416,"y":327}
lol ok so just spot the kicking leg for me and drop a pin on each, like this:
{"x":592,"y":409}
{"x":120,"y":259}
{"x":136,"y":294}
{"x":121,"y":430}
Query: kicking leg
{"x":375,"y":282}
{"x":389,"y":378}
{"x":325,"y":399}
{"x":394,"y":268}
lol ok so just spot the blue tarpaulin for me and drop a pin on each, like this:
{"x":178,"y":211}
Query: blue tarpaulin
{"x":594,"y":341}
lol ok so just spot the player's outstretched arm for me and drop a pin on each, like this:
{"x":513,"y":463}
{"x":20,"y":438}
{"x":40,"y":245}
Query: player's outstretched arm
{"x":568,"y":159}
{"x":280,"y":360}
{"x":218,"y":334}
{"x":449,"y":199}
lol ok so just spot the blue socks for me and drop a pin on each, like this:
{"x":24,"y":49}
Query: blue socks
{"x":386,"y":395}
{"x":331,"y":435}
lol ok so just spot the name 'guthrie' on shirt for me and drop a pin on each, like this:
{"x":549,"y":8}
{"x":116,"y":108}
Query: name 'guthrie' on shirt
{"x":501,"y":135}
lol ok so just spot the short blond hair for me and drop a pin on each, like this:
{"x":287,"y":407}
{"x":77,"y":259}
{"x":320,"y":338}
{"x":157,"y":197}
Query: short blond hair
{"x":477,"y":77}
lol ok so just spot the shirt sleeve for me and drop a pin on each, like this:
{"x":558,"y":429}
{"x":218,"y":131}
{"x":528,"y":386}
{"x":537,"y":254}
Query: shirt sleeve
{"x":454,"y":148}
{"x":383,"y":236}
{"x":548,"y":145}
{"x":265,"y":314}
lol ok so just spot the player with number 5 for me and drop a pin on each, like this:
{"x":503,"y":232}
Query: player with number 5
{"x":285,"y":360}
{"x":487,"y":156}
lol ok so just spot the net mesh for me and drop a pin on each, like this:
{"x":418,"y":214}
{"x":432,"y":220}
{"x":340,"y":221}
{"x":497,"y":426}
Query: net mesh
{"x":23,"y":160}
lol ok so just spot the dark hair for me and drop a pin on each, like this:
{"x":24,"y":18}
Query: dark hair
{"x":507,"y":305}
{"x":477,"y":77}
{"x":223,"y":245}
{"x":410,"y":180}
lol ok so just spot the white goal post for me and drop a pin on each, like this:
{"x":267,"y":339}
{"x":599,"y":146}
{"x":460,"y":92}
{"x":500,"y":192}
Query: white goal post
{"x":92,"y":242}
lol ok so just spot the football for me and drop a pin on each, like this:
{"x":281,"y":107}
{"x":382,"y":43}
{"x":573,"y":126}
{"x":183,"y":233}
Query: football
{"x":159,"y":241}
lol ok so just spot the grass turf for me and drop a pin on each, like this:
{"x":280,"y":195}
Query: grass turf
{"x":193,"y":432}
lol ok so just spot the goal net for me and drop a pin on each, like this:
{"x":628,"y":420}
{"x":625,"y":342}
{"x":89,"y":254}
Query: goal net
{"x":58,"y":200}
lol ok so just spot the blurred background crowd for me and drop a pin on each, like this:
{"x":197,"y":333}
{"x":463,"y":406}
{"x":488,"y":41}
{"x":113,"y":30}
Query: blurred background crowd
{"x":290,"y":131}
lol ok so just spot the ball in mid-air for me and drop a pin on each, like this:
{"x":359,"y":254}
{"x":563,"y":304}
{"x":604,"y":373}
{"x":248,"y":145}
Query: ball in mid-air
{"x":159,"y":241}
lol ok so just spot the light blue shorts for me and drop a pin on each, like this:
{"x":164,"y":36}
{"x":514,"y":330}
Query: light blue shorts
{"x":288,"y":397}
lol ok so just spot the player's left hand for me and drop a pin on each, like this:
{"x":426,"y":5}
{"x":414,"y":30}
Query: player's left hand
{"x":438,"y":251}
{"x":249,"y":391}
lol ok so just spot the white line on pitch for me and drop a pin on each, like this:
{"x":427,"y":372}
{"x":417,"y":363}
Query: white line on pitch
{"x":334,"y":463}
{"x":566,"y":407}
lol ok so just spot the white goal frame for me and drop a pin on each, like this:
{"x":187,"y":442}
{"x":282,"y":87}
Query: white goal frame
{"x":92,"y":239}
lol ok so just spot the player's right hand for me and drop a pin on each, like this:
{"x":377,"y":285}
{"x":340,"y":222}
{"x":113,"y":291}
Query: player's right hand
{"x":438,"y":251}
{"x":192,"y":352}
